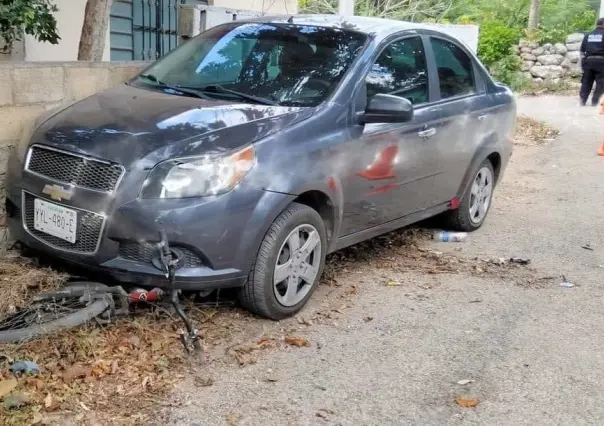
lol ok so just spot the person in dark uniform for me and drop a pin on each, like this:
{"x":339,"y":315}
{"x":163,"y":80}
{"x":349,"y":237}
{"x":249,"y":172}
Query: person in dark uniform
{"x":592,"y":62}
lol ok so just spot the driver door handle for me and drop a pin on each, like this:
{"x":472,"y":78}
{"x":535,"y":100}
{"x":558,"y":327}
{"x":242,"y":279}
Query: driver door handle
{"x":482,"y":117}
{"x":427,"y":133}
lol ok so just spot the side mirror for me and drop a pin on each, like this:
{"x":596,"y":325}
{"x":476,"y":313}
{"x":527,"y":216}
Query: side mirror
{"x":387,"y":109}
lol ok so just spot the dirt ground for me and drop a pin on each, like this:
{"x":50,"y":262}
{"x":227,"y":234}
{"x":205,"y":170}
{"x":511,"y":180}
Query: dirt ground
{"x":397,"y":338}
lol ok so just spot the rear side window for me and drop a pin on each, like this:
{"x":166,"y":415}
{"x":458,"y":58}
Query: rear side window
{"x":400,"y":70}
{"x":455,"y":70}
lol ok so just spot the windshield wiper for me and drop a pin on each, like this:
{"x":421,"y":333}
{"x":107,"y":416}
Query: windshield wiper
{"x":185,"y":90}
{"x":216,"y":88}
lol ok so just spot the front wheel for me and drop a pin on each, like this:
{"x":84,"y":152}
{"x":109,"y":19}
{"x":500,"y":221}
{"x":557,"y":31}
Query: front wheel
{"x":288,"y":266}
{"x":474,"y":206}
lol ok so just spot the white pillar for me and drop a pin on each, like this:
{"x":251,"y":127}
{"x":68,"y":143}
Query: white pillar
{"x":346,"y":7}
{"x":601,"y":15}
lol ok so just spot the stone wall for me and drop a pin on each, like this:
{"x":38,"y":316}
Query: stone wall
{"x":28,"y":89}
{"x":551,"y":61}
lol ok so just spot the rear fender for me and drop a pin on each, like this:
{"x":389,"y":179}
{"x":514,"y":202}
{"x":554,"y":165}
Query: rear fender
{"x":488,"y":146}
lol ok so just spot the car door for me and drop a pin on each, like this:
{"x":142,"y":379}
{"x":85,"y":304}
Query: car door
{"x":466,"y":117}
{"x":398,"y":161}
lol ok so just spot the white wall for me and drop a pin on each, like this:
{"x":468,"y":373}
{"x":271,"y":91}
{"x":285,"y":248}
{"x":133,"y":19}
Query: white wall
{"x":277,"y":7}
{"x":70,"y":18}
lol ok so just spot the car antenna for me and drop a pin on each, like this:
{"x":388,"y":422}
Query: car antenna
{"x":290,"y":20}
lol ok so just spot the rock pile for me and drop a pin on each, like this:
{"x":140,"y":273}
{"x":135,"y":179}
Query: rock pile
{"x":551,"y":61}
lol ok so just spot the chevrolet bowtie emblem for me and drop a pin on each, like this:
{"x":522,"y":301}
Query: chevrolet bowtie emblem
{"x":57,"y":192}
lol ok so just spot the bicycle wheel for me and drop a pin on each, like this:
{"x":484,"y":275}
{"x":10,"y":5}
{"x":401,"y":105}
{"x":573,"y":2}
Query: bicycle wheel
{"x":53,"y":312}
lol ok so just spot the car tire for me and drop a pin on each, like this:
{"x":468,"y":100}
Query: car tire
{"x":264,"y":293}
{"x":466,"y":217}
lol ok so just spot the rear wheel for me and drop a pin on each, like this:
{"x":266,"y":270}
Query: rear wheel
{"x":288,"y":266}
{"x":474,"y":207}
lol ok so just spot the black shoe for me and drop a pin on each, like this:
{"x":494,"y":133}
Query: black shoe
{"x":582,"y":103}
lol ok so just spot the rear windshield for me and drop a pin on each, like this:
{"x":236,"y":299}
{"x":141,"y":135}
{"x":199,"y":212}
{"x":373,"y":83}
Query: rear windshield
{"x":290,"y":65}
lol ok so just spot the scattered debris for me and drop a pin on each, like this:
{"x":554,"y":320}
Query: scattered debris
{"x":476,"y":301}
{"x":297,"y":341}
{"x":520,"y":260}
{"x":466,"y":401}
{"x":101,"y":369}
{"x":533,"y":132}
{"x":393,"y":284}
{"x":27,"y":367}
{"x":26,"y":280}
{"x":465,"y":382}
{"x":451,"y":237}
{"x":565,"y":283}
{"x":587,"y":247}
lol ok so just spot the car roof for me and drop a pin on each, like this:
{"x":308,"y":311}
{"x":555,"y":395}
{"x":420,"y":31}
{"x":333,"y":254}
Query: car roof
{"x":363,"y":24}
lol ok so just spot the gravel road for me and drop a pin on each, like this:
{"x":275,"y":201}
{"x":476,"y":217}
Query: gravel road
{"x":395,"y":354}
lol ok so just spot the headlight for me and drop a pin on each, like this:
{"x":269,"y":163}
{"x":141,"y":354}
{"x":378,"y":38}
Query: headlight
{"x":199,"y":176}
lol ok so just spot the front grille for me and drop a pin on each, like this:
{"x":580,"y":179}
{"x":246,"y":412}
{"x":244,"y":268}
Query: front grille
{"x":145,"y":252}
{"x":90,"y":226}
{"x":73,"y":169}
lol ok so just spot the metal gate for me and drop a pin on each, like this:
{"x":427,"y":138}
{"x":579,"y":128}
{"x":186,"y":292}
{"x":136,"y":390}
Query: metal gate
{"x":144,"y":30}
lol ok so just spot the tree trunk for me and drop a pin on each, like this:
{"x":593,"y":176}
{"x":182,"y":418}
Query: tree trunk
{"x":533,"y":21}
{"x":94,"y":30}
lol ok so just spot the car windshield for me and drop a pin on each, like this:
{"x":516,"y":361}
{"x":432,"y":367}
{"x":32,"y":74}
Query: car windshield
{"x":280,"y":64}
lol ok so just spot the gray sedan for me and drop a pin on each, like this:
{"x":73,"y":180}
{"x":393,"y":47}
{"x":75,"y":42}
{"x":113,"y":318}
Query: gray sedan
{"x":261,"y":146}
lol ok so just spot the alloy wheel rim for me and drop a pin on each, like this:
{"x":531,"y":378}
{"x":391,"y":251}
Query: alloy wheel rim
{"x":480,"y":195}
{"x":297,"y":265}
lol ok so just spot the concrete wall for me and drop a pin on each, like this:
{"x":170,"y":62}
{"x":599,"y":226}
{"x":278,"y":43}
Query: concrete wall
{"x":28,"y":89}
{"x":70,"y":18}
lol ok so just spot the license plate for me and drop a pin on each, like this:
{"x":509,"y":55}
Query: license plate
{"x":55,"y":220}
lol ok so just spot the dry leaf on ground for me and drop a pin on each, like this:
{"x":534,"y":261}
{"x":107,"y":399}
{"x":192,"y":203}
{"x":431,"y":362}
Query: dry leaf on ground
{"x":7,"y":386}
{"x":297,"y":341}
{"x":75,"y":372}
{"x":466,"y":401}
{"x":232,"y":419}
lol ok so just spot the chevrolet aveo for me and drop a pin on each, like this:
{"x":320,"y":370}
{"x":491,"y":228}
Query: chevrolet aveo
{"x":258,"y":148}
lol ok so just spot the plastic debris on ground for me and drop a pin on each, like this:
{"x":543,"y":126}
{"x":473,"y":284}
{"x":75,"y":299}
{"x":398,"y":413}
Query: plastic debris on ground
{"x":450,"y":237}
{"x":565,"y":283}
{"x":27,"y":367}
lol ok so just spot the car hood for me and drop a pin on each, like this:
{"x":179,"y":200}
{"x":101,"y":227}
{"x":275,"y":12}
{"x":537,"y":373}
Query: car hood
{"x":129,"y":125}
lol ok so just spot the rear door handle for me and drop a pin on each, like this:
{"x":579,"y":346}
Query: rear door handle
{"x":482,"y":117}
{"x":427,"y":133}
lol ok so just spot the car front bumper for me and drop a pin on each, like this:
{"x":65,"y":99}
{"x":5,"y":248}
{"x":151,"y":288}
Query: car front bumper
{"x":217,"y":237}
